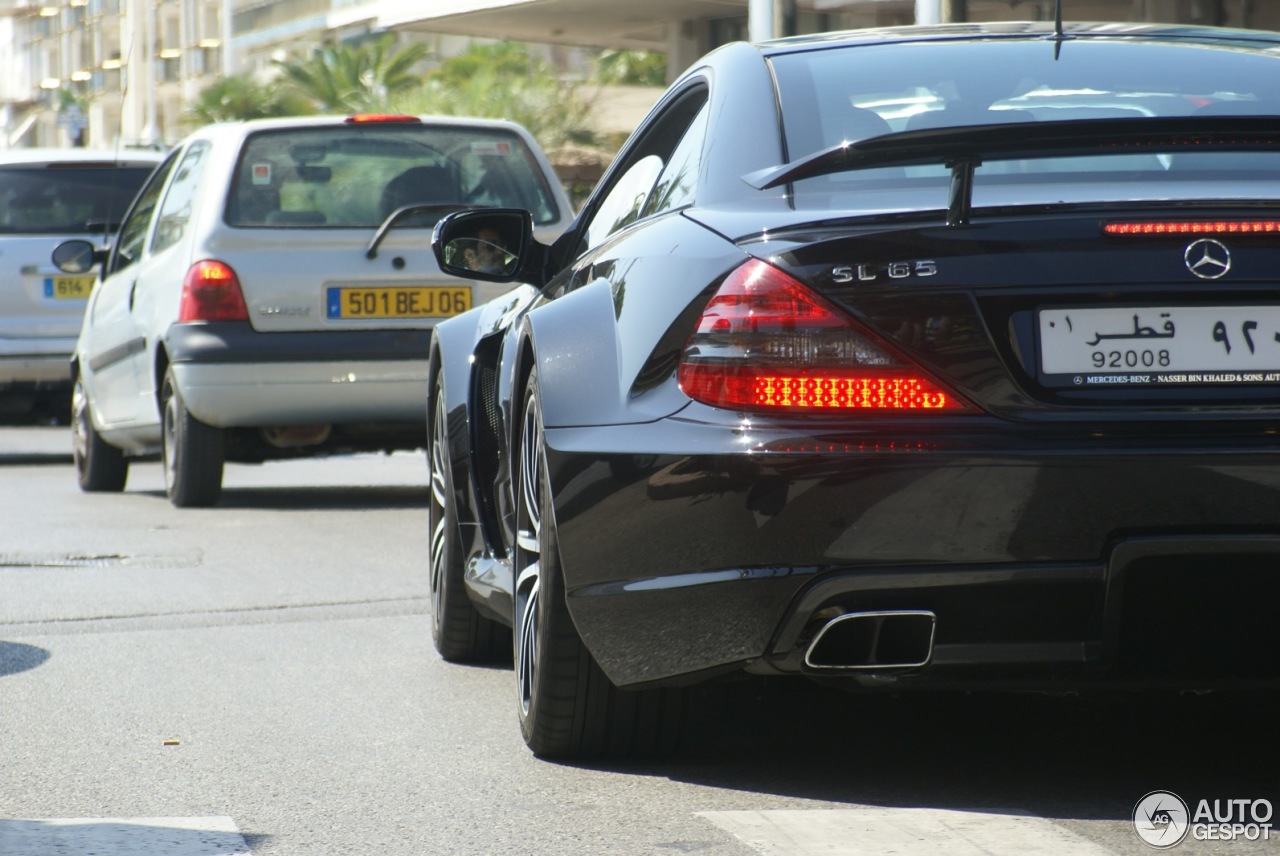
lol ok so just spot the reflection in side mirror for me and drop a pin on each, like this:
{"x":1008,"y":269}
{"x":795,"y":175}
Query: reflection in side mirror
{"x":480,"y":255}
{"x":489,"y":245}
{"x":75,"y":256}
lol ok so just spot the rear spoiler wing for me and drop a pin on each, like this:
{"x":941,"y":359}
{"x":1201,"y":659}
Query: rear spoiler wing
{"x":964,"y":149}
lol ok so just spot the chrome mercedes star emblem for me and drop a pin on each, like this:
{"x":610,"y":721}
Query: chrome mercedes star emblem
{"x":1207,"y":258}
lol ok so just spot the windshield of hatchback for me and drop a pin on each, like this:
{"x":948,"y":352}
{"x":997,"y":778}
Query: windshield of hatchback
{"x":842,"y":95}
{"x":66,"y":199}
{"x":354,"y":176}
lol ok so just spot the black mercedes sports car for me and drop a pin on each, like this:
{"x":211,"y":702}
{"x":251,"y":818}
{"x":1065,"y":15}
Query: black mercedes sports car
{"x":921,"y":357}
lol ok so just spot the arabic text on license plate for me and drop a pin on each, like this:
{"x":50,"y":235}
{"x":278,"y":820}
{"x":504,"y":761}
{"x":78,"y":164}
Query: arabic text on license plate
{"x":398,"y":301}
{"x":1163,"y":344}
{"x":68,"y":287}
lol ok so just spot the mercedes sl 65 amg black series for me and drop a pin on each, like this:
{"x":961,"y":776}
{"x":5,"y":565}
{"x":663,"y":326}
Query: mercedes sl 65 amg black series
{"x":940,"y":357}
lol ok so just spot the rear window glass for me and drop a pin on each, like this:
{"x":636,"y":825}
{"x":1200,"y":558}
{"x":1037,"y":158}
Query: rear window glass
{"x":66,"y":199}
{"x":837,"y":95}
{"x":354,"y":176}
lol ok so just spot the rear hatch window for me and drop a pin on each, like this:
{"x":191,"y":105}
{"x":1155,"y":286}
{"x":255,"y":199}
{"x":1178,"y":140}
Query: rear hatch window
{"x":354,"y":176}
{"x":850,"y":94}
{"x":66,"y":198}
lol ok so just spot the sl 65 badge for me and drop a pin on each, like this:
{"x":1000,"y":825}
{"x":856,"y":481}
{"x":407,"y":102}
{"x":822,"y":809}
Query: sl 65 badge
{"x":892,"y":270}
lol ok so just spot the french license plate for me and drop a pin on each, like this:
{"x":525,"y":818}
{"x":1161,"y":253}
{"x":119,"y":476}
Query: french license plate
{"x":68,"y":287}
{"x":397,"y":301}
{"x":1153,"y":345}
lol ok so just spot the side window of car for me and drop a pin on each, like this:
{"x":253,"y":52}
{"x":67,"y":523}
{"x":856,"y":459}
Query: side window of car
{"x":624,"y":202}
{"x":175,"y":211}
{"x":133,"y":232}
{"x":679,"y":180}
{"x":656,"y":173}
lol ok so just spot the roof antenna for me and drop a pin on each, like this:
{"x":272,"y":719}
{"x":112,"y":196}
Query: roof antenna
{"x":1057,"y":29}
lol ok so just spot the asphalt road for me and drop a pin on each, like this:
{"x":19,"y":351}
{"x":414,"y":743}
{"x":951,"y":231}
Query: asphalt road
{"x":259,"y":678}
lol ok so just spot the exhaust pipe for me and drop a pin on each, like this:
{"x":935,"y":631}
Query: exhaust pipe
{"x":901,"y":639}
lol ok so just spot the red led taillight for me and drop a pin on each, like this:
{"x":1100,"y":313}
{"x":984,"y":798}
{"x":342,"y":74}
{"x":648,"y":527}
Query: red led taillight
{"x":766,"y":342}
{"x":211,"y":292}
{"x":1194,"y":227}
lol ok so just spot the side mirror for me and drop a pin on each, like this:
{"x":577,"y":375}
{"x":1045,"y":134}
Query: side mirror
{"x":490,"y":244}
{"x":77,"y":256}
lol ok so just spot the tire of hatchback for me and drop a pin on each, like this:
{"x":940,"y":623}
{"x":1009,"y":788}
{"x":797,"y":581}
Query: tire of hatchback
{"x":193,"y":453}
{"x":100,"y":467}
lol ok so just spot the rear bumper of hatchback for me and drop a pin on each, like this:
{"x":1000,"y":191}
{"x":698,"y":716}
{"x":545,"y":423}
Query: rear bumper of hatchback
{"x":231,"y":376}
{"x":42,"y":362}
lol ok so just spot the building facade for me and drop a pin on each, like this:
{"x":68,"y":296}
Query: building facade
{"x":120,"y":72}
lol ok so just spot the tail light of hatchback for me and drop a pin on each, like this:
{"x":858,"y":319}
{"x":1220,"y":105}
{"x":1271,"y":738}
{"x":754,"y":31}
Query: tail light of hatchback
{"x":766,"y":342}
{"x":211,"y":292}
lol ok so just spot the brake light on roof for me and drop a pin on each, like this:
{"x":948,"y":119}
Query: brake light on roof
{"x":1193,"y":227}
{"x":766,"y":342}
{"x":380,"y":119}
{"x":211,"y":292}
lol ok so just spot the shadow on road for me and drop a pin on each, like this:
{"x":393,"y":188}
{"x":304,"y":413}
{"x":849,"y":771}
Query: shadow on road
{"x":1085,"y":757}
{"x":16,"y":657}
{"x":324,"y":498}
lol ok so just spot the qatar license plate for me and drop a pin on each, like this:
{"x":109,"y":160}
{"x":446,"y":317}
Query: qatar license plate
{"x":69,"y":287}
{"x":397,"y":301}
{"x":1153,"y":345}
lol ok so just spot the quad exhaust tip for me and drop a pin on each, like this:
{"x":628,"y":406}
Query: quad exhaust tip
{"x":898,"y":639}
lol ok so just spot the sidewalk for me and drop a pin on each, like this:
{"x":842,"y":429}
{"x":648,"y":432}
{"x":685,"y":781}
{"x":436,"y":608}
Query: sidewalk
{"x":21,"y":444}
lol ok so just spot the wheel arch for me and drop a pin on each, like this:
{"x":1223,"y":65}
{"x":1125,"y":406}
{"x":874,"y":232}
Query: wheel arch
{"x":159,"y":370}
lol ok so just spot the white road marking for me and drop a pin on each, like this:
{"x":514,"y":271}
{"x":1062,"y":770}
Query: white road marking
{"x":901,"y":831}
{"x":135,"y":836}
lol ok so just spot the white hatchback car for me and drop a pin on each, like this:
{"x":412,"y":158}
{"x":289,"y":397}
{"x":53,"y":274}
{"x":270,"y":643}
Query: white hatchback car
{"x":48,"y":196}
{"x":272,"y":292}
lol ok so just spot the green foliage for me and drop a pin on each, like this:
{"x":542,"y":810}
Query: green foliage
{"x":356,"y":78}
{"x":502,"y":81}
{"x":631,"y":68}
{"x":241,"y":97}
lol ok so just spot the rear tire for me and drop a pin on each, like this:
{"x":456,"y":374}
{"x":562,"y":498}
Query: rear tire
{"x":100,"y":467}
{"x":193,"y":453}
{"x":460,"y":633}
{"x":568,"y":707}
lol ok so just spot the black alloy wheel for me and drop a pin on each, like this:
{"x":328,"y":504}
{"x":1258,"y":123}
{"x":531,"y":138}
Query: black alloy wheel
{"x":460,"y":633}
{"x":100,"y":467}
{"x":193,"y":453}
{"x":568,"y":707}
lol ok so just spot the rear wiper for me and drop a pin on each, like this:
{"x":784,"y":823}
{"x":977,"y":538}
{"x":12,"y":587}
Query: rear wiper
{"x":441,"y":208}
{"x":964,"y":149}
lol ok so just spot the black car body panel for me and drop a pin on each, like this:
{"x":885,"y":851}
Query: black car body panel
{"x":1098,"y":503}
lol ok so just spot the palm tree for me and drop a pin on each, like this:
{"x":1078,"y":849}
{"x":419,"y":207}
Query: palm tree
{"x":631,"y":68}
{"x":356,"y":78}
{"x":503,"y":81}
{"x":241,"y":97}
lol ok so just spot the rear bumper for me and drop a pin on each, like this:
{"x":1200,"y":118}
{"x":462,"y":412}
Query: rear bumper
{"x":41,"y":371}
{"x":45,"y":362}
{"x":232,"y":376}
{"x":1052,"y":567}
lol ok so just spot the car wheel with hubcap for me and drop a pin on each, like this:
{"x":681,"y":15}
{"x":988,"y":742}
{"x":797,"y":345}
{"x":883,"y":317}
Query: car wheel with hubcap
{"x":100,"y":467}
{"x":193,"y":453}
{"x":461,"y":634}
{"x":568,"y":707}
